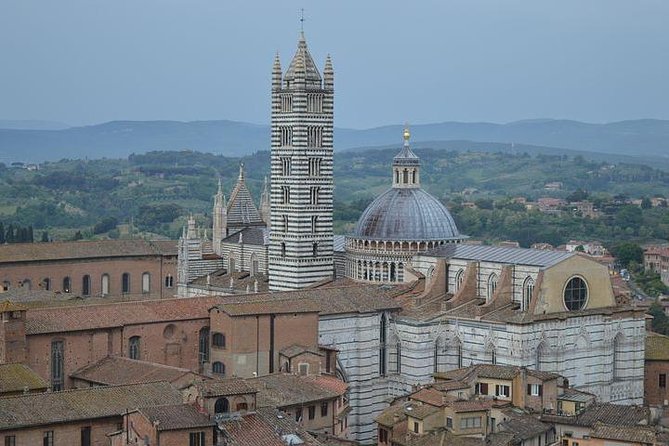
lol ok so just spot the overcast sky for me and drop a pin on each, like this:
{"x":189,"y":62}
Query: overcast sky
{"x":90,"y":61}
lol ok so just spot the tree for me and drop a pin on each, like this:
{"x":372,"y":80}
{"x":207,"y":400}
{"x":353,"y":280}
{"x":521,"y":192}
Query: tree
{"x":45,"y":236}
{"x":78,"y":236}
{"x":660,"y":322}
{"x":646,"y":203}
{"x":627,"y":252}
{"x":578,"y":195}
{"x":2,"y":233}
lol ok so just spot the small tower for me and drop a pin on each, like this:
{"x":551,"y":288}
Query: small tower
{"x":12,"y":333}
{"x":220,"y":218}
{"x":301,"y":234}
{"x":264,"y":203}
{"x":406,"y":166}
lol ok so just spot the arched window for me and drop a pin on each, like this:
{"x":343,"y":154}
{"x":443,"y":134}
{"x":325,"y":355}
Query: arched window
{"x":5,"y":285}
{"x":314,"y":249}
{"x":382,"y":345}
{"x":46,"y":283}
{"x":459,"y":278}
{"x":435,"y":368}
{"x":283,"y":249}
{"x":57,"y":365}
{"x":134,"y":347}
{"x":104,"y":287}
{"x":413,"y":176}
{"x":459,"y":353}
{"x":67,"y":285}
{"x":254,"y":264}
{"x":27,"y":284}
{"x":540,"y":353}
{"x":169,"y":281}
{"x":618,"y":353}
{"x":146,"y":282}
{"x":528,"y":290}
{"x":218,"y":339}
{"x":218,"y":368}
{"x":86,"y":285}
{"x":203,"y":345}
{"x":492,"y":285}
{"x":405,"y":176}
{"x":393,"y":276}
{"x":493,"y":354}
{"x":222,"y":405}
{"x":231,"y":264}
{"x":125,"y":283}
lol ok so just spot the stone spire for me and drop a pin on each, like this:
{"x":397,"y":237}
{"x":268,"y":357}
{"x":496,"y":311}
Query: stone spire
{"x":220,"y":219}
{"x":406,"y":165}
{"x":264,"y":203}
{"x":328,"y":74}
{"x":276,"y":73}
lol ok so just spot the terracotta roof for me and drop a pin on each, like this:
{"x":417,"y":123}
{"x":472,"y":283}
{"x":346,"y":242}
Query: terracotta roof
{"x":504,"y":372}
{"x":437,"y":437}
{"x":420,"y":411}
{"x":607,"y":413}
{"x":657,"y":347}
{"x":471,"y":405}
{"x":19,"y":377}
{"x":8,"y":306}
{"x":176,"y":417}
{"x":428,"y":395}
{"x":635,"y":434}
{"x":391,"y":415}
{"x":284,"y":390}
{"x":295,"y":350}
{"x":576,"y":395}
{"x":265,"y":427}
{"x":117,"y":370}
{"x":82,"y":404}
{"x":25,"y":294}
{"x":225,"y":387}
{"x":525,"y":427}
{"x":30,"y":252}
{"x":446,"y":386}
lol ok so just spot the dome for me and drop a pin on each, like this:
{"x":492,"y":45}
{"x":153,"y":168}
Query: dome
{"x":406,"y":214}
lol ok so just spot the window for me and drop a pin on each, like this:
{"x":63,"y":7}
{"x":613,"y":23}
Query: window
{"x":67,"y":285}
{"x":312,"y":412}
{"x":314,"y":249}
{"x":315,"y":136}
{"x":534,"y":389}
{"x":46,"y":283}
{"x":662,"y":382}
{"x":285,"y":166}
{"x":399,"y":357}
{"x":242,"y":406}
{"x":313,"y":194}
{"x":196,"y":439}
{"x":575,"y":294}
{"x":218,"y":368}
{"x":169,"y":281}
{"x":470,"y":422}
{"x":57,"y":365}
{"x":283,"y":249}
{"x":303,"y":368}
{"x":449,"y":422}
{"x":231,"y":264}
{"x":219,"y":340}
{"x":86,"y":285}
{"x":502,"y":390}
{"x":492,"y":285}
{"x":382,"y":346}
{"x":86,"y":436}
{"x":324,"y":409}
{"x":203,"y":345}
{"x":47,"y":438}
{"x":10,"y":440}
{"x":286,"y":103}
{"x":416,"y":427}
{"x":314,"y":103}
{"x":314,"y":223}
{"x":383,"y":435}
{"x":459,"y":352}
{"x":222,"y":405}
{"x":298,"y":414}
{"x":27,"y":284}
{"x":284,"y":219}
{"x":528,"y":290}
{"x":134,"y":347}
{"x":493,"y":356}
{"x":146,"y":282}
{"x":492,"y":424}
{"x":481,"y":388}
{"x":435,"y":367}
{"x":125,"y":283}
{"x":286,"y":135}
{"x":255,"y":265}
{"x":459,"y":279}
{"x":314,"y":167}
{"x":104,"y":286}
{"x":285,"y":194}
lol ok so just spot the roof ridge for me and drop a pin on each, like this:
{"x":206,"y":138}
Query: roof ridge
{"x":84,"y":389}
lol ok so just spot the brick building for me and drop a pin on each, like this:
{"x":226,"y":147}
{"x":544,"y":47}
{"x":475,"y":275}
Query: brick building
{"x":656,"y":258}
{"x":656,"y":391}
{"x":104,"y":268}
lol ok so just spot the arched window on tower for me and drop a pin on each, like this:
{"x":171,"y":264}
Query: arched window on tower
{"x":382,"y":345}
{"x":528,"y":290}
{"x":405,"y":176}
{"x":459,"y":279}
{"x":314,"y":249}
{"x":492,"y":286}
{"x":203,"y":345}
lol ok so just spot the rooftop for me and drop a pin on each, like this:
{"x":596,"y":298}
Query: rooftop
{"x":83,"y":404}
{"x":176,"y":417}
{"x":498,"y":254}
{"x":225,"y":387}
{"x":285,"y":390}
{"x":525,"y":427}
{"x":657,"y":347}
{"x":18,"y":377}
{"x":117,"y":370}
{"x":607,"y":413}
{"x":504,"y":372}
{"x":30,"y":252}
{"x":634,"y":434}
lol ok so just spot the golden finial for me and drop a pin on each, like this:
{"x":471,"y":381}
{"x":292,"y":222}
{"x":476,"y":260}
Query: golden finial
{"x":407,"y":133}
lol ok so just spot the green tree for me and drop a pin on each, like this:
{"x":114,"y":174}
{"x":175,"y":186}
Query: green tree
{"x":45,"y":236}
{"x":660,"y":322}
{"x":627,"y":252}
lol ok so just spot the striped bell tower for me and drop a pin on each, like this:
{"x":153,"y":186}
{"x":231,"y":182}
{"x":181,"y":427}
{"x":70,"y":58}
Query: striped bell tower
{"x":300,"y":251}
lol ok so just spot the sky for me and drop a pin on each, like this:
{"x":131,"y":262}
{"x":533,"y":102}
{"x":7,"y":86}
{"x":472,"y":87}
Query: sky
{"x":89,"y":61}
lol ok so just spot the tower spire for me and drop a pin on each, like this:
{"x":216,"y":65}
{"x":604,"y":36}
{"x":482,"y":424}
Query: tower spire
{"x":242,"y":174}
{"x":406,"y":165}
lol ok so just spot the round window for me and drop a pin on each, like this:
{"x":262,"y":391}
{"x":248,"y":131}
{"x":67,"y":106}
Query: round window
{"x":575,"y":294}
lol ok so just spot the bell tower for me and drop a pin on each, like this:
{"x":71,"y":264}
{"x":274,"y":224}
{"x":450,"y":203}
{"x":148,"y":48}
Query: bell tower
{"x":301,"y":234}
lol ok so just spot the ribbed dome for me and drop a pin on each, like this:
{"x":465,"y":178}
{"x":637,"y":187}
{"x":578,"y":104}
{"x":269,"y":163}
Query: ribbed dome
{"x":406,"y":214}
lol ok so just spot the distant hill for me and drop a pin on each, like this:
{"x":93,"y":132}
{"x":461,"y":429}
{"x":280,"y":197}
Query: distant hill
{"x":118,"y":139}
{"x":32,"y":125}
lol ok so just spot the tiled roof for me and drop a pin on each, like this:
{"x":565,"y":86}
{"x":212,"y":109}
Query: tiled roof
{"x":505,"y":372}
{"x":391,"y":415}
{"x":607,"y":413}
{"x":176,"y":417}
{"x":446,"y":386}
{"x":225,"y":387}
{"x":576,"y":395}
{"x":472,"y":405}
{"x":26,"y":295}
{"x":633,"y":434}
{"x":265,"y":427}
{"x":284,"y":390}
{"x":19,"y":377}
{"x":498,"y":254}
{"x":500,"y":439}
{"x":116,"y":370}
{"x":29,"y":252}
{"x":253,"y":235}
{"x":437,"y":437}
{"x":295,"y":350}
{"x":429,"y":396}
{"x":657,"y":347}
{"x":82,"y":404}
{"x":7,"y":306}
{"x":525,"y":427}
{"x":420,"y":411}
{"x":339,"y":243}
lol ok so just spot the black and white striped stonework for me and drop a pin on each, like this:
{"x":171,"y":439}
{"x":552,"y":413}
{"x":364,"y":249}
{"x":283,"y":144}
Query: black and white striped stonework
{"x":301,"y":234}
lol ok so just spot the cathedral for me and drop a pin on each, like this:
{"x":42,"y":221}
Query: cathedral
{"x":458,"y":303}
